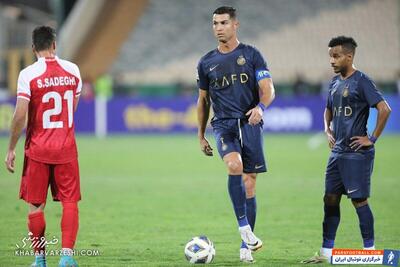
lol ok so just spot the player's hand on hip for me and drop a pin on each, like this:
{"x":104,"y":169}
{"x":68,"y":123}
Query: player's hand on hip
{"x":10,"y":161}
{"x":255,"y":114}
{"x":359,"y":142}
{"x":331,"y":139}
{"x":205,"y":147}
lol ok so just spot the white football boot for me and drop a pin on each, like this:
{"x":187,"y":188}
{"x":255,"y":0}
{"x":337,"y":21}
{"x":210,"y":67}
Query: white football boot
{"x":247,"y":235}
{"x":245,"y":255}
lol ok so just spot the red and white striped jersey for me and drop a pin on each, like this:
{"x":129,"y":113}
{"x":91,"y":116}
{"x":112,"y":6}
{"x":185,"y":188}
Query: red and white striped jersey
{"x":51,"y":85}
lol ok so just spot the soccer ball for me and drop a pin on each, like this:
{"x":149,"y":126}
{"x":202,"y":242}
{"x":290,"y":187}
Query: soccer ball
{"x":200,"y":250}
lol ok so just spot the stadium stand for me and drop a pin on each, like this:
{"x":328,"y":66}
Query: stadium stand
{"x":95,"y":31}
{"x":170,"y":38}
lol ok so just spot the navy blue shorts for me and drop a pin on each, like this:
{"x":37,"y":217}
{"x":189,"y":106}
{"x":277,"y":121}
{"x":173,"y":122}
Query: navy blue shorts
{"x":235,"y":135}
{"x":350,"y":173}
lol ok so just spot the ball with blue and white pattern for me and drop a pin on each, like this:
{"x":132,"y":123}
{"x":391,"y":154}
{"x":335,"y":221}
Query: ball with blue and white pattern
{"x":200,"y":249}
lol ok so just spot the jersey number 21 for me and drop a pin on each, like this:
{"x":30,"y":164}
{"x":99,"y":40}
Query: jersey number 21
{"x":68,"y":96}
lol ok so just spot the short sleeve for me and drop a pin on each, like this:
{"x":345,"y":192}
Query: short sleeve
{"x":329,"y":97}
{"x":260,"y":66}
{"x":202,"y":79}
{"x":23,"y":89}
{"x":329,"y":102}
{"x":79,"y":87}
{"x":372,"y":95}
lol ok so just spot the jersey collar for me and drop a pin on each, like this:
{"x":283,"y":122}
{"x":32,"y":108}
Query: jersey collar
{"x":48,"y":59}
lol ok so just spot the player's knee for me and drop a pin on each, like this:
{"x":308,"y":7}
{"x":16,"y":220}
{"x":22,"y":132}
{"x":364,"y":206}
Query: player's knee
{"x":332,"y":200}
{"x":359,"y":202}
{"x":251,"y":177}
{"x":36,"y":207}
{"x":235,"y":167}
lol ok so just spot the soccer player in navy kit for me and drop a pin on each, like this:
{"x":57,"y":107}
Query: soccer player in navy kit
{"x":236,"y":79}
{"x":351,"y":94}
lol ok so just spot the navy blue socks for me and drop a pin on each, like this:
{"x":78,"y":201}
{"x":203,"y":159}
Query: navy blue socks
{"x":366,"y":225}
{"x":330,"y":225}
{"x":251,"y":212}
{"x":238,"y":197}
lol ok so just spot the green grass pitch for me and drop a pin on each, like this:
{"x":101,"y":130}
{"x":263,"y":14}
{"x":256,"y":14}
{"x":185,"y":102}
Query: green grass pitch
{"x":144,"y":197}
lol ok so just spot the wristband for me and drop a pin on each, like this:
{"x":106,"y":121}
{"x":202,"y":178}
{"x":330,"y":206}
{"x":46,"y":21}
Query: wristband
{"x":373,"y":139}
{"x":262,"y":106}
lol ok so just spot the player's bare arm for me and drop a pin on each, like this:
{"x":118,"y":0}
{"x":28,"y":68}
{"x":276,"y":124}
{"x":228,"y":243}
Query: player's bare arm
{"x":203,"y":112}
{"x":384,"y":111}
{"x":382,"y":117}
{"x":17,"y":125}
{"x":76,"y":102}
{"x":267,"y":95}
{"x":327,"y":126}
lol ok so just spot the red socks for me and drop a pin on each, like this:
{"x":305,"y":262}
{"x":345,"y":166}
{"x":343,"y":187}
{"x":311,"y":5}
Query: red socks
{"x":69,"y":227}
{"x":37,"y":226}
{"x":69,"y":224}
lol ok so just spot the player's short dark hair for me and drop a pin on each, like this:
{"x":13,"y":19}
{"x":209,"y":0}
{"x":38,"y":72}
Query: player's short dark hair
{"x":231,"y":11}
{"x":347,"y":43}
{"x":43,"y":37}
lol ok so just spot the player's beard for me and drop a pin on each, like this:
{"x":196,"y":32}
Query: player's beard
{"x":221,"y":38}
{"x":224,"y":39}
{"x":337,"y":69}
{"x":344,"y":70}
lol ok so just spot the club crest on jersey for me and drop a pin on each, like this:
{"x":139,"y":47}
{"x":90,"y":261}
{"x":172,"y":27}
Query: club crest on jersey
{"x":345,"y":92}
{"x":241,"y":60}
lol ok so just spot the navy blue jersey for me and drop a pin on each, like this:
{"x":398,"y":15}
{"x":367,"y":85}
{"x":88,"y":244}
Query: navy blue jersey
{"x":349,"y":101}
{"x":232,"y":80}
